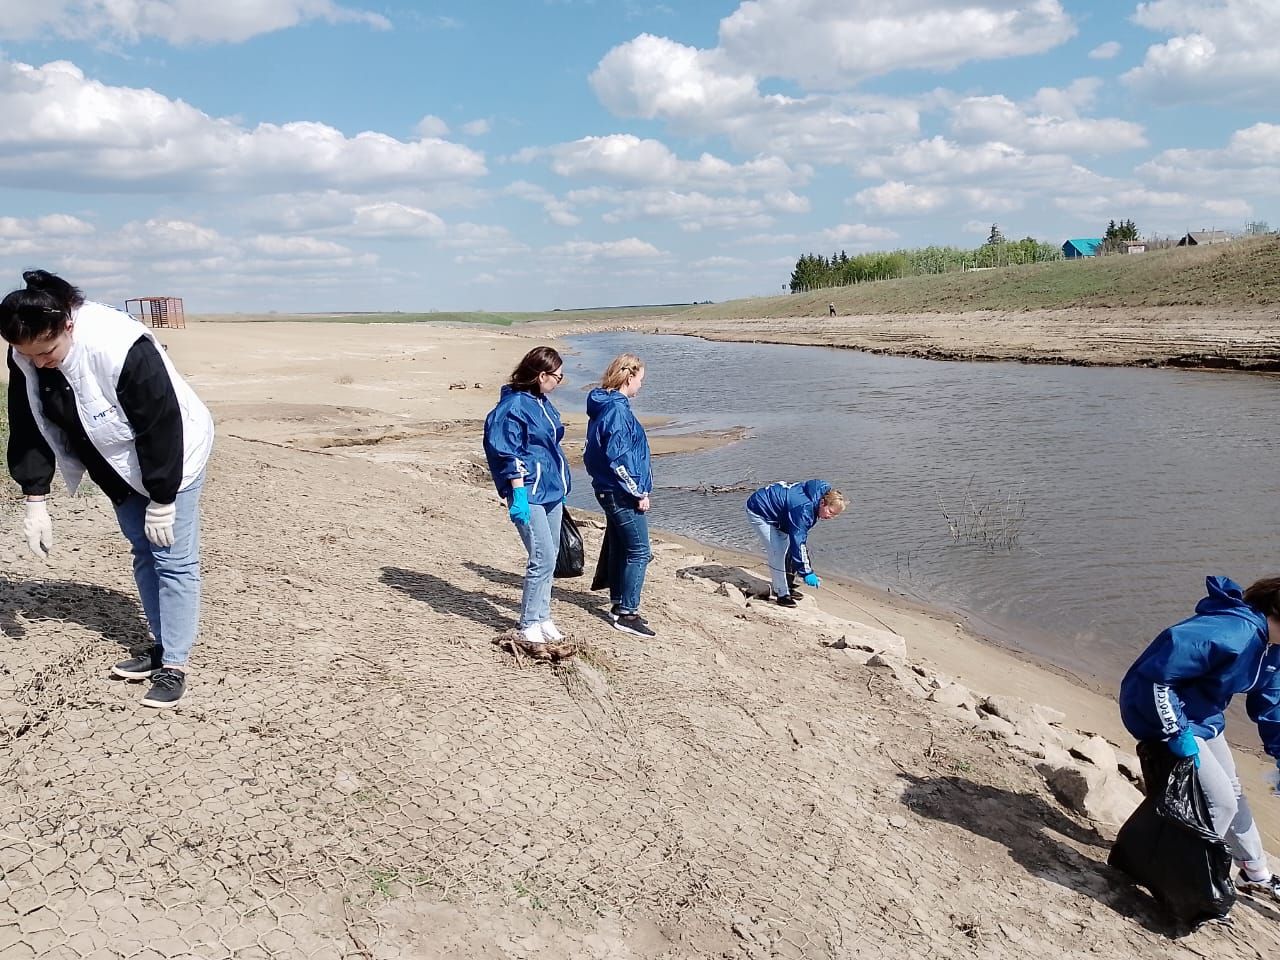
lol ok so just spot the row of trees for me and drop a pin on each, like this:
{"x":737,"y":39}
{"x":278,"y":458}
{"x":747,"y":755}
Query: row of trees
{"x":814,"y":271}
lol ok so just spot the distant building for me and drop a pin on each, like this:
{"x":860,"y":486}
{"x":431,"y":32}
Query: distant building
{"x":1133,"y":246}
{"x":1074,"y":249}
{"x":1198,"y":238}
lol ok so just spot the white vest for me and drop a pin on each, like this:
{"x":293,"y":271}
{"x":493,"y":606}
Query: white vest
{"x":100,"y":340}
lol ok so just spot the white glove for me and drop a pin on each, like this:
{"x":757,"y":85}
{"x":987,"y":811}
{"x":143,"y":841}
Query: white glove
{"x":38,"y":528}
{"x":158,"y":524}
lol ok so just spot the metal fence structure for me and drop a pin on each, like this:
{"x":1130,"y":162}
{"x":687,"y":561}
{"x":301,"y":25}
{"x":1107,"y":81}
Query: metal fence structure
{"x":157,"y":311}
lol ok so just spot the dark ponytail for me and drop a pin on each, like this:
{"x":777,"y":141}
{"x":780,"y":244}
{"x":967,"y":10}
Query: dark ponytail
{"x":536,"y":362}
{"x":39,"y":311}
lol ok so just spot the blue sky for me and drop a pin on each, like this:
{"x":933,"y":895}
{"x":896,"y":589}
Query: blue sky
{"x":318,"y":155}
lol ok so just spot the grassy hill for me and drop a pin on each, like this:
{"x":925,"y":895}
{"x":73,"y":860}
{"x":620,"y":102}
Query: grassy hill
{"x":1246,"y":273}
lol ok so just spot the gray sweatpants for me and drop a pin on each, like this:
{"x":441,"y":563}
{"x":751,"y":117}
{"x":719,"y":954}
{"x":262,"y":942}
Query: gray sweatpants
{"x":1228,"y":808}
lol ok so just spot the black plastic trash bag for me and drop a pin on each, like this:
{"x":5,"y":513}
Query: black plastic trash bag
{"x":1169,"y":845}
{"x":570,"y":558}
{"x":600,"y":581}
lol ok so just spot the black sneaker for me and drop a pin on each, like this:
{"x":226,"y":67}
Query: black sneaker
{"x":615,"y":612}
{"x":139,"y":667}
{"x":167,"y":687}
{"x":634,"y":624}
{"x":788,"y":601}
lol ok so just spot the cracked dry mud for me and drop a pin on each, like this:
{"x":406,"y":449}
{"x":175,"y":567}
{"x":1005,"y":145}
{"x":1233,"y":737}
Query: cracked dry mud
{"x":357,"y":772}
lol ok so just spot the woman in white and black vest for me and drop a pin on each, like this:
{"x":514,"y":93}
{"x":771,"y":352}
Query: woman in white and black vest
{"x":92,"y":391}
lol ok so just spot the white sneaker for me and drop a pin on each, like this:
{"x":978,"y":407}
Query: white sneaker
{"x":533,"y":633}
{"x":551,"y":632}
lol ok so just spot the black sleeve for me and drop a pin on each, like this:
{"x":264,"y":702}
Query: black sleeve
{"x":31,"y":459}
{"x":150,"y":404}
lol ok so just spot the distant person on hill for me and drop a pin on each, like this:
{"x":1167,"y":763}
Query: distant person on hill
{"x":522,"y":437}
{"x":91,"y":391}
{"x":782,"y":514}
{"x":831,"y":309}
{"x":617,"y":458}
{"x":1179,"y":688}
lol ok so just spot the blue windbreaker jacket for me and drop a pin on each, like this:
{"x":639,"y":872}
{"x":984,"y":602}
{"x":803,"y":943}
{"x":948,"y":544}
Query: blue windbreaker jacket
{"x":522,"y":439}
{"x":1189,"y":673}
{"x":793,"y":509}
{"x":617,"y":453}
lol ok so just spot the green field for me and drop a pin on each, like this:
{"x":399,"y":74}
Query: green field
{"x":1241,"y":274}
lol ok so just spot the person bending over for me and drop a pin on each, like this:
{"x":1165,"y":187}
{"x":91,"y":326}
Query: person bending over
{"x":782,"y":514}
{"x":91,"y":391}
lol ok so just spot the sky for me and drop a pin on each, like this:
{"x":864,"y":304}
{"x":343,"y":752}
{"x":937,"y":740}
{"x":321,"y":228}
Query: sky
{"x":326,"y":155}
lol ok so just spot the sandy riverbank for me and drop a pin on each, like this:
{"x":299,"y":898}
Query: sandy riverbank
{"x":357,"y":771}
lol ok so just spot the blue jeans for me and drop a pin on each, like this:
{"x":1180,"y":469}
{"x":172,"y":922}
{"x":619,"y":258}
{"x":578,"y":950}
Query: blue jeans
{"x":628,"y":532}
{"x":776,"y":545}
{"x":541,"y":537}
{"x":168,"y":578}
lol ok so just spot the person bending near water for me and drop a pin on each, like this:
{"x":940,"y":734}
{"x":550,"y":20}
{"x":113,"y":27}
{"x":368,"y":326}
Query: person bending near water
{"x":522,"y":437}
{"x":91,"y":391}
{"x":617,"y":458}
{"x":782,"y":514}
{"x":1177,"y":691}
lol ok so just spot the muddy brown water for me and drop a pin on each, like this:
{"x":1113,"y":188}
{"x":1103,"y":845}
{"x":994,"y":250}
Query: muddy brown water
{"x":1105,"y":495}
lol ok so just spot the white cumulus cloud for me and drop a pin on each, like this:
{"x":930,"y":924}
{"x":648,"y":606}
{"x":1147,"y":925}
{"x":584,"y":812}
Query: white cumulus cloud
{"x":1248,"y":164}
{"x":895,"y":198}
{"x":65,"y":131}
{"x":825,"y":44}
{"x":174,"y":21}
{"x":1218,"y":51}
{"x":1048,"y":123}
{"x":1105,"y":51}
{"x":857,"y":235}
{"x":632,"y":248}
{"x":628,"y":158}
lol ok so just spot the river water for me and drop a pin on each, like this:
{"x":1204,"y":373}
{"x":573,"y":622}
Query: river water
{"x":1108,"y":493}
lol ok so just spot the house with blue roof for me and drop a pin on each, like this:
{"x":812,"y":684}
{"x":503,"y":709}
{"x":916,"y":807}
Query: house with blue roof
{"x":1074,"y":249}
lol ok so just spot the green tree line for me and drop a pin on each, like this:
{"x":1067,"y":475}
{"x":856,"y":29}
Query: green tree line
{"x":814,"y":271}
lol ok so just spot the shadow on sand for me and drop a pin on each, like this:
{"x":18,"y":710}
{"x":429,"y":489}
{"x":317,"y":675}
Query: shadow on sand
{"x":116,"y":616}
{"x":1025,"y":824}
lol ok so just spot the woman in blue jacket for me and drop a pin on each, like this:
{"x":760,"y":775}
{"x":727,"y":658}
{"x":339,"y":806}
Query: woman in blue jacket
{"x":522,"y":437}
{"x":617,"y":458}
{"x":782,"y":514}
{"x":1179,"y":688}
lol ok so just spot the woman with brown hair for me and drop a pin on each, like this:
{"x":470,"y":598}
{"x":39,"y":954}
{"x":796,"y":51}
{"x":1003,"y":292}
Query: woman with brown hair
{"x":522,"y":437}
{"x":617,"y":458}
{"x":1178,"y":690}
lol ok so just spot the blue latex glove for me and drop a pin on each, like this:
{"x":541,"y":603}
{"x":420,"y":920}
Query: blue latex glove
{"x":1184,"y":745}
{"x":519,"y":509}
{"x":812,"y":580}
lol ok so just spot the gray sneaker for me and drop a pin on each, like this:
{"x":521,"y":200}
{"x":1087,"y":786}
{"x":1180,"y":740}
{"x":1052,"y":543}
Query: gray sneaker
{"x":167,"y":687}
{"x":138,"y":668}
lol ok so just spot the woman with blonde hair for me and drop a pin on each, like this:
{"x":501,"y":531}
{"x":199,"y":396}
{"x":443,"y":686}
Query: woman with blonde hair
{"x":617,"y":458}
{"x":782,"y":514}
